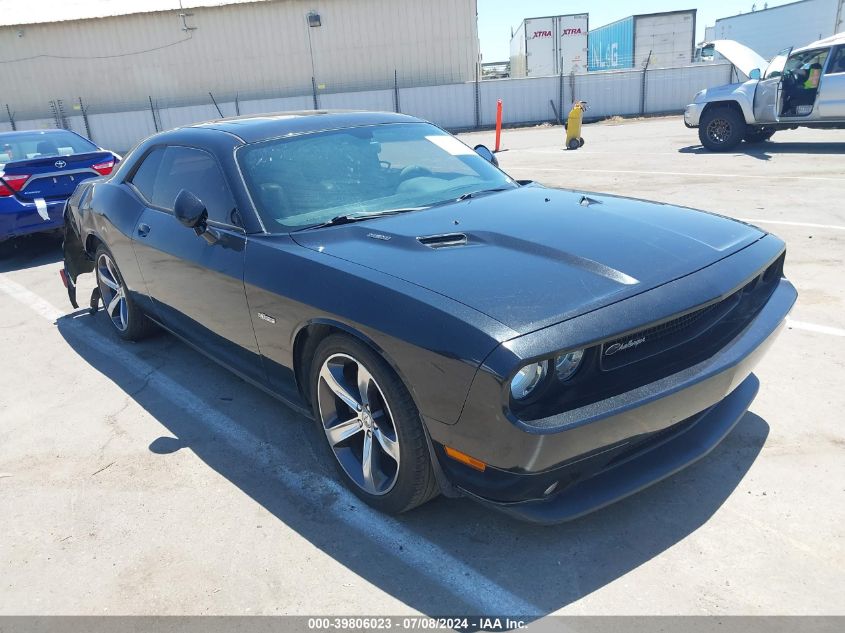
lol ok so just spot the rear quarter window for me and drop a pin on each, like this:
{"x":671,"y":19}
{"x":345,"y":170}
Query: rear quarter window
{"x":145,"y":176}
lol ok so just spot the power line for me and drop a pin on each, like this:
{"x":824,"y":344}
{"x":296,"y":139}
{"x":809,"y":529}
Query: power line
{"x":47,"y":55}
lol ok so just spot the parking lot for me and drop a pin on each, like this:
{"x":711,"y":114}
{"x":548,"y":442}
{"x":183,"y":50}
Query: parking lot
{"x":144,"y":479}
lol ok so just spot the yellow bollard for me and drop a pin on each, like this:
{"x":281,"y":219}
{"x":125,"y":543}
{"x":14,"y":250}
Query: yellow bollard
{"x":573,"y":125}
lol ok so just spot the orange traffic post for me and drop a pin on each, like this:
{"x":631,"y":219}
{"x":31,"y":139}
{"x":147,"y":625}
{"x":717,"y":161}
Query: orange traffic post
{"x":498,"y":123}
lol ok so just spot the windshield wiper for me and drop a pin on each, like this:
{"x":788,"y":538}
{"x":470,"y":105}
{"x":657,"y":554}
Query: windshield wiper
{"x":481,"y":192}
{"x":349,"y":218}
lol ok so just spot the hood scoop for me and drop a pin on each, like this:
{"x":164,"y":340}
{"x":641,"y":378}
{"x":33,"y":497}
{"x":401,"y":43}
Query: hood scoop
{"x":447,"y":240}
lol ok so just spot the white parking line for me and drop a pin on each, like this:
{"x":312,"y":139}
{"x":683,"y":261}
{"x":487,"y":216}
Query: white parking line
{"x":383,"y":531}
{"x":835,"y":227}
{"x":812,"y":327}
{"x":566,"y":169}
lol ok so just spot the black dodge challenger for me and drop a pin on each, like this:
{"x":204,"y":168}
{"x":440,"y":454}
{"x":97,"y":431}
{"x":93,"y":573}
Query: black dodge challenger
{"x":451,"y":330}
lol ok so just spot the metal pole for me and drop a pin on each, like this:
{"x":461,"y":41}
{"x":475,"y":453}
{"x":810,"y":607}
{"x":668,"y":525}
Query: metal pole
{"x":55,"y":112}
{"x":85,"y":117}
{"x":314,"y":92}
{"x":642,"y":88}
{"x":153,"y":112}
{"x":395,"y":91}
{"x":214,"y":101}
{"x":11,"y":118}
{"x":237,"y":105}
{"x":477,"y":101}
{"x":559,"y":98}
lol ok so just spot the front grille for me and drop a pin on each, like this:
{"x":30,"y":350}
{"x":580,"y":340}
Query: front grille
{"x":666,"y":348}
{"x":660,"y":338}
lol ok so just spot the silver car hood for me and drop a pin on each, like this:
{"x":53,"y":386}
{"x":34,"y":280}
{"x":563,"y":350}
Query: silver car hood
{"x":740,"y":55}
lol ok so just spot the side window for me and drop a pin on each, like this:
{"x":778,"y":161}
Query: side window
{"x":145,"y":175}
{"x":198,"y":172}
{"x":837,"y":62}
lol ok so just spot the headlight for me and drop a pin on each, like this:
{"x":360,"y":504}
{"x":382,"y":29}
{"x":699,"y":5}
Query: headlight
{"x":568,"y":364}
{"x":527,"y":379}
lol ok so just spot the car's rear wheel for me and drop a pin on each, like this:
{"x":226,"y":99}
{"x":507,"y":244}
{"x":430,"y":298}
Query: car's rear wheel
{"x":372,"y":427}
{"x":721,"y":129}
{"x":758,"y":134}
{"x":127,"y":319}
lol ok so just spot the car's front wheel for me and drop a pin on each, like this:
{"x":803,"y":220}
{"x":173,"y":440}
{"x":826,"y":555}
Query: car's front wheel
{"x":721,"y":129}
{"x":127,"y":319}
{"x":371,"y":425}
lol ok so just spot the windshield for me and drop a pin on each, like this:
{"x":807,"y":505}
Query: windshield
{"x":307,"y":180}
{"x":775,"y":67}
{"x":25,"y":145}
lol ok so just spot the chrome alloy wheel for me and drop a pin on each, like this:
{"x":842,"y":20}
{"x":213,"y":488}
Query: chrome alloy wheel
{"x":719,"y":130}
{"x":358,"y":424}
{"x":112,"y":292}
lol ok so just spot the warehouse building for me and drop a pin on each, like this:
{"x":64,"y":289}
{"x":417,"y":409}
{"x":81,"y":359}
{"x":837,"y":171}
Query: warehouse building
{"x":657,"y":40}
{"x":118,"y":54}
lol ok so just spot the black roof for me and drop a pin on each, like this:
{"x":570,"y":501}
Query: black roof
{"x":257,"y":127}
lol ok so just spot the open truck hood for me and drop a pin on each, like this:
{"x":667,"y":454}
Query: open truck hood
{"x":739,"y":55}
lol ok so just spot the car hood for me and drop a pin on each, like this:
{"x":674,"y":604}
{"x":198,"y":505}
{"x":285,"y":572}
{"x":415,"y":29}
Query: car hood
{"x":740,"y":55}
{"x":533,"y":256}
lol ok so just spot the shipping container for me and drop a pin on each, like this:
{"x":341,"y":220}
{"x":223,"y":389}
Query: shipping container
{"x":550,"y":45}
{"x":659,"y":40}
{"x":770,"y":30}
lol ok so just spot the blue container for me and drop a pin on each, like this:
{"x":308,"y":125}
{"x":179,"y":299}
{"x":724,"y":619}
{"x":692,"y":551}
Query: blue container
{"x":612,"y":46}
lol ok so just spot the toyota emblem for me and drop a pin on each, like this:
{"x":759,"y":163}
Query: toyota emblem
{"x":61,"y":164}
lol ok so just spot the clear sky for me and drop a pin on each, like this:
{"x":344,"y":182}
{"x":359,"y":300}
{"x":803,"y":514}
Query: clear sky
{"x":497,"y":17}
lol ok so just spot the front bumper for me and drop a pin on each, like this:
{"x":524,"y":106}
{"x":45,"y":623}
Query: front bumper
{"x":692,"y":114}
{"x":588,"y":457}
{"x":661,"y":458}
{"x":22,"y":218}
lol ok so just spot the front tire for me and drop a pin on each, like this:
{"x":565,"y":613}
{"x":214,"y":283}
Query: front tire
{"x":126,"y":318}
{"x":721,"y":129}
{"x":371,"y":426}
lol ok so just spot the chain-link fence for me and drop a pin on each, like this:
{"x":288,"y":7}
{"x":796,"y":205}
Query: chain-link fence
{"x":452,"y":105}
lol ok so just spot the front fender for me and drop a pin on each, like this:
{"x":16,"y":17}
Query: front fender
{"x":740,"y":94}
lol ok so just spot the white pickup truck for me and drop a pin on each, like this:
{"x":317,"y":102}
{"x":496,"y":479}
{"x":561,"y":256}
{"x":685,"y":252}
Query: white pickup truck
{"x":804,"y":87}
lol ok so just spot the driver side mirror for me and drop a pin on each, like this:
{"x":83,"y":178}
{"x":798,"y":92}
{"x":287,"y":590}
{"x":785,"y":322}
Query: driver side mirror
{"x":754,"y":74}
{"x":486,"y":154}
{"x":191,"y":212}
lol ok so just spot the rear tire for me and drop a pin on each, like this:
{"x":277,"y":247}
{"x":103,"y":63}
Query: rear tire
{"x":381,"y":428}
{"x":126,"y":317}
{"x":721,"y":129}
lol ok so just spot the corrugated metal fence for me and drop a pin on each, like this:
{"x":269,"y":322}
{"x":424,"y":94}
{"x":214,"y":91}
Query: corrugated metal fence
{"x":453,"y":106}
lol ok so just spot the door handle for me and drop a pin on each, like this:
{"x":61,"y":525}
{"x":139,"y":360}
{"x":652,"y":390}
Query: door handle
{"x":143,"y":229}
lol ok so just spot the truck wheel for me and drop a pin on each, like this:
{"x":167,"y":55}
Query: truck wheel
{"x":758,"y":134}
{"x":721,"y":129}
{"x":580,"y":142}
